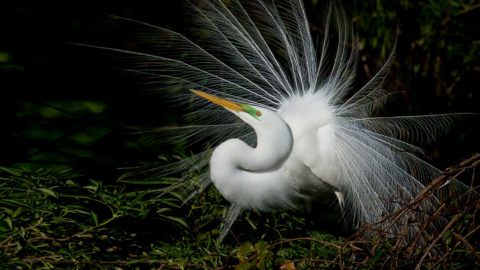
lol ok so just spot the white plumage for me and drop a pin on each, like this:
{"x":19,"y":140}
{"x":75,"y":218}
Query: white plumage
{"x":312,"y":132}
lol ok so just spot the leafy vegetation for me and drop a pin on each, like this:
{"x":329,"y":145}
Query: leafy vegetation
{"x":58,"y":219}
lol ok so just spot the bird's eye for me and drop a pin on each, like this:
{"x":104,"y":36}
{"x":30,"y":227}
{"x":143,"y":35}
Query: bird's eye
{"x":258,"y":113}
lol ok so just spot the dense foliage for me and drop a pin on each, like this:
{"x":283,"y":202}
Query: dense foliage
{"x":71,"y":116}
{"x":58,"y":219}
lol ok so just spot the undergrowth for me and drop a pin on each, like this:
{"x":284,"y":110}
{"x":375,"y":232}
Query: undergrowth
{"x":62,"y":220}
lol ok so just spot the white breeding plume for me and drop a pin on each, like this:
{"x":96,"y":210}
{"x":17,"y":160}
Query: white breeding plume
{"x":312,"y":133}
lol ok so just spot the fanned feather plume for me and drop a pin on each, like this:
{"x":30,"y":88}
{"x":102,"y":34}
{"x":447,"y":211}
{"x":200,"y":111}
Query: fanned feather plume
{"x":262,"y":53}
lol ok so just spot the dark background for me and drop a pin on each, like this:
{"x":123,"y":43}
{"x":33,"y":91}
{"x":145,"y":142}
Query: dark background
{"x":64,"y":105}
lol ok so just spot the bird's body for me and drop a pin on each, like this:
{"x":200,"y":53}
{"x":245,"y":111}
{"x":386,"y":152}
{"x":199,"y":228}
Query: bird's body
{"x":312,"y":122}
{"x":312,"y":131}
{"x":287,"y":166}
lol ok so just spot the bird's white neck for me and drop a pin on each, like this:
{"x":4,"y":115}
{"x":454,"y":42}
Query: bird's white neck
{"x":274,"y":144}
{"x":240,"y":171}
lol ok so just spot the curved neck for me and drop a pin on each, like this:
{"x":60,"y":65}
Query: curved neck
{"x":274,"y":144}
{"x":251,"y":177}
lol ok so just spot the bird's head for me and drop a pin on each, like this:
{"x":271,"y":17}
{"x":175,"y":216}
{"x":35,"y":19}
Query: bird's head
{"x":250,"y":114}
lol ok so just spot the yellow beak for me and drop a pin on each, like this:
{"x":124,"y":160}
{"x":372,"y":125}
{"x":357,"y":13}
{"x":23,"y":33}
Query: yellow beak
{"x":227,"y":104}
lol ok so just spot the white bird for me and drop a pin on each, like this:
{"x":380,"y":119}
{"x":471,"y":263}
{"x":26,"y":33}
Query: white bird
{"x":312,"y":133}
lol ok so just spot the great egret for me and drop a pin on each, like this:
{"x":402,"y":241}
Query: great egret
{"x":311,"y":131}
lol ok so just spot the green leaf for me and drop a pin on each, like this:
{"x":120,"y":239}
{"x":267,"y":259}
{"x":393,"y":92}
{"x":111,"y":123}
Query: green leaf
{"x":48,"y":192}
{"x":17,"y":212}
{"x":264,"y":255}
{"x":244,"y":251}
{"x":92,"y":188}
{"x":9,"y":222}
{"x":176,"y":220}
{"x":14,"y":172}
{"x":245,"y":266}
{"x":94,"y":218}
